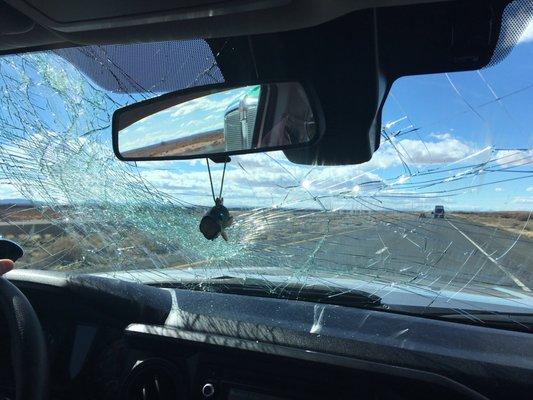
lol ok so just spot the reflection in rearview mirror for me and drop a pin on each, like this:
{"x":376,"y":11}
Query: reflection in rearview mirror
{"x":238,"y":120}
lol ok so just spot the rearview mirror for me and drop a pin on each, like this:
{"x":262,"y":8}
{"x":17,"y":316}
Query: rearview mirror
{"x":216,"y":122}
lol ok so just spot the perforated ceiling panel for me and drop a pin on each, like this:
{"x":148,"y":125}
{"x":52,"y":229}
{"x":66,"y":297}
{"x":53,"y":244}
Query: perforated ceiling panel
{"x":517,"y":16}
{"x":147,"y":67}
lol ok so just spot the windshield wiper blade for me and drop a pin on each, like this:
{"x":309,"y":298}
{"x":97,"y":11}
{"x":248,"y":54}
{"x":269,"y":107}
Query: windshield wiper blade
{"x":315,"y":293}
{"x":509,"y":320}
{"x":518,"y":321}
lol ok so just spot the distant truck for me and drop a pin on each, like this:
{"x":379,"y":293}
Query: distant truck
{"x":439,"y":212}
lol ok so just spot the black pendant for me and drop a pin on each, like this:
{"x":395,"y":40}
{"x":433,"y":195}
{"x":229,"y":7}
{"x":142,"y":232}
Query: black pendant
{"x":215,"y":222}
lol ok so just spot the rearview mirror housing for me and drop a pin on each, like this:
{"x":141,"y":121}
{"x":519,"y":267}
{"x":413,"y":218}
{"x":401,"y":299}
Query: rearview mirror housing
{"x":218,"y":121}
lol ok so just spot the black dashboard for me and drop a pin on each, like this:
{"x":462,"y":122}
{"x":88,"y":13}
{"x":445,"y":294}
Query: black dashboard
{"x":109,"y":339}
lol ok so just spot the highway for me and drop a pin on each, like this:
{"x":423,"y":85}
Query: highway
{"x":429,"y":252}
{"x":434,"y":253}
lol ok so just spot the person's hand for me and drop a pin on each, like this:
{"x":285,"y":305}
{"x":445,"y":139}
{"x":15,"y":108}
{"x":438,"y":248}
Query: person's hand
{"x":6,"y":266}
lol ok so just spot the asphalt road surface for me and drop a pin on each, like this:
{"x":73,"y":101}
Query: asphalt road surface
{"x":430,"y":252}
{"x":399,"y":248}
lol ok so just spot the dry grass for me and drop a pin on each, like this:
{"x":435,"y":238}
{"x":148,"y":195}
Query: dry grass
{"x":515,"y":222}
{"x":70,"y":250}
{"x":25,"y":213}
{"x":212,"y":142}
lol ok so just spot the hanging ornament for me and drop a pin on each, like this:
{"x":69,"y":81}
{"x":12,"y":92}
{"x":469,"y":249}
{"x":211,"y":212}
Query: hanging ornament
{"x":218,"y":218}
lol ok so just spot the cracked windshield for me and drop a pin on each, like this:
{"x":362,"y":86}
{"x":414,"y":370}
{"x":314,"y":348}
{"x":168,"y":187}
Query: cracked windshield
{"x":438,"y":218}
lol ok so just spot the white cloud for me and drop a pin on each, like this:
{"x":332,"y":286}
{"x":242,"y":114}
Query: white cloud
{"x":274,"y":167}
{"x":194,"y":106}
{"x":527,"y":35}
{"x":498,"y":189}
{"x":443,"y":151}
{"x":417,"y":152}
{"x":441,"y":136}
{"x":529,"y":189}
{"x":208,"y":103}
{"x":390,"y":124}
{"x":306,"y":184}
{"x":402,"y":179}
{"x":263,"y":181}
{"x":273,"y":179}
{"x":514,"y":158}
{"x":8,"y":191}
{"x":522,"y":200}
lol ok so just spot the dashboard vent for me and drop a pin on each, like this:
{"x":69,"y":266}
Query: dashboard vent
{"x":153,"y":379}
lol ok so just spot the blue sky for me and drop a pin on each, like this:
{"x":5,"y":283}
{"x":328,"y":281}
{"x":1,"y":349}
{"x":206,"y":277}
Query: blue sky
{"x":180,"y":121}
{"x":478,"y":124}
{"x":460,"y":139}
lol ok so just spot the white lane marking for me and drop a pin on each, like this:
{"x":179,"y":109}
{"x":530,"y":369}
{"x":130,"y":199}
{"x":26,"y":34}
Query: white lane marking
{"x":412,"y":241}
{"x":492,"y":260}
{"x":380,"y":251}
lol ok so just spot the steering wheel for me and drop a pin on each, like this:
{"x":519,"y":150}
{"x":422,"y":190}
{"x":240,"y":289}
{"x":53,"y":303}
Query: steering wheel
{"x":28,"y":347}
